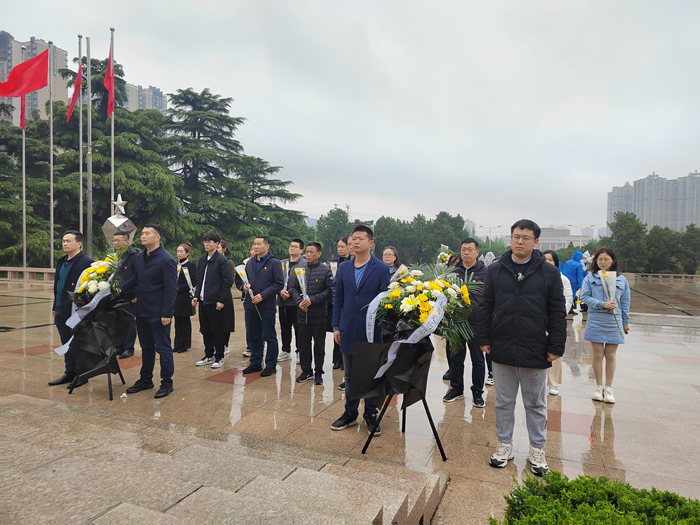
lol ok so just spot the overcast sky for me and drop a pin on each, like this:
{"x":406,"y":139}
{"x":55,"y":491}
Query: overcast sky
{"x":495,"y":110}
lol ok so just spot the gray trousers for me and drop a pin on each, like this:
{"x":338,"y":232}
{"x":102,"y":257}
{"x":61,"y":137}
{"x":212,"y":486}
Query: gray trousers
{"x":533,"y":386}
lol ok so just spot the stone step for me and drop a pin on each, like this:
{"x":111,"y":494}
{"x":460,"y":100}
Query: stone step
{"x":327,"y":501}
{"x":127,"y":514}
{"x":214,"y":506}
{"x":394,"y":501}
{"x":414,"y":488}
{"x":432,"y":481}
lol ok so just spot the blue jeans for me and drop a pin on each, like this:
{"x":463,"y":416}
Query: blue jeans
{"x":352,"y":405}
{"x":65,"y":333}
{"x":478,"y":368}
{"x":154,"y":337}
{"x":258,"y":332}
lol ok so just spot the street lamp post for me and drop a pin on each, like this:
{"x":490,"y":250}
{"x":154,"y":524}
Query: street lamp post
{"x":580,"y":232}
{"x":490,"y":229}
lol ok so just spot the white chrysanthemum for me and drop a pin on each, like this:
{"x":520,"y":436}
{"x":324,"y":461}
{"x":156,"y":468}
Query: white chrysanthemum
{"x":102,"y":285}
{"x":451,"y":292}
{"x":96,"y":264}
{"x":92,"y":287}
{"x":432,"y":304}
{"x":416,"y":273}
{"x":411,"y":289}
{"x":393,"y":286}
{"x":437,"y":294}
{"x":456,"y":288}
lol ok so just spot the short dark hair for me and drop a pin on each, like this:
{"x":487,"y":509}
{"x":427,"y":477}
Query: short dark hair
{"x":453,"y":260}
{"x":594,"y":262}
{"x":470,"y":240}
{"x":316,"y":245}
{"x":554,"y":255}
{"x":265,"y":239}
{"x":211,"y":235}
{"x":155,"y":227}
{"x":121,"y":234}
{"x":527,"y":224}
{"x":366,"y":229}
{"x":298,"y":241}
{"x":78,"y":236}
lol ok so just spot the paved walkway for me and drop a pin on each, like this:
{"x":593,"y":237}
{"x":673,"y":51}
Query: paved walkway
{"x":649,"y":438}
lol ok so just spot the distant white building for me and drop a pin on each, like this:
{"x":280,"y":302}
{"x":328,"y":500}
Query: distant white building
{"x":470,"y":226}
{"x":139,"y":97}
{"x":311,"y":223}
{"x":558,"y":238}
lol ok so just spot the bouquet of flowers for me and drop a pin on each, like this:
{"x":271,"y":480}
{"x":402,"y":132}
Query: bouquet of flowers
{"x":443,"y":257}
{"x":411,"y":299}
{"x":609,"y":280}
{"x":301,"y":277}
{"x":334,"y":268}
{"x":285,"y":271}
{"x":100,"y":276}
{"x":240,"y":270}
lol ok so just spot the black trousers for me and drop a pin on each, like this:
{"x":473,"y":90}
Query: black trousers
{"x":305,"y":334}
{"x":183,"y":334}
{"x":288,"y":322}
{"x":211,"y":326}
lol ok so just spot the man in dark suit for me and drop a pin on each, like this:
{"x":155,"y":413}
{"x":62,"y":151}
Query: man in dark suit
{"x":68,"y":270}
{"x":156,"y":283}
{"x":214,"y":281}
{"x":126,"y":271}
{"x":358,"y":281}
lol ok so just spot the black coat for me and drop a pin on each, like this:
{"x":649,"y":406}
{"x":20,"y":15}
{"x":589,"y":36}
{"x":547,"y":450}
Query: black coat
{"x":522,"y":320}
{"x":267,"y":282}
{"x":155,"y":283}
{"x":183,"y":301}
{"x":217,"y":285}
{"x":475,"y":273}
{"x":126,"y":270}
{"x":319,"y":283}
{"x":80,"y":263}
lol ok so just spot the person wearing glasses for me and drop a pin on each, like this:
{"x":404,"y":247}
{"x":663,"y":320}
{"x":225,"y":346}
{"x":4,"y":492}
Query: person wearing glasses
{"x":522,"y":325}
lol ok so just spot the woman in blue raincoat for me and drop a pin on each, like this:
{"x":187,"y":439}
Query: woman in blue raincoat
{"x":573,"y":270}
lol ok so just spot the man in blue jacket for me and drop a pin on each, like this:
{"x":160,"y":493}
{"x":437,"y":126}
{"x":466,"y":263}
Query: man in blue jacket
{"x":156,"y":283}
{"x":573,"y":270}
{"x":68,"y":270}
{"x":357,"y":282}
{"x":266,"y":279}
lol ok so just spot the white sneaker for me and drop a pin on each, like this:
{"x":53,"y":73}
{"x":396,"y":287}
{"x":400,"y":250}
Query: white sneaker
{"x":538,"y":465}
{"x":226,"y":350}
{"x":504,"y":452}
{"x":205,"y":361}
{"x":246,"y":353}
{"x":553,"y":391}
{"x":284,"y":356}
{"x":218,"y":364}
{"x":599,"y":393}
{"x":489,"y":380}
{"x":608,"y":396}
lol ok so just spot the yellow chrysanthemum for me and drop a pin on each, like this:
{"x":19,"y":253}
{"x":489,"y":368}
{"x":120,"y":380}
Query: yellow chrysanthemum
{"x":445,"y":283}
{"x":425,"y":307}
{"x":83,"y":278}
{"x":388,"y":306}
{"x":465,"y":295}
{"x":396,"y":293}
{"x":101,"y":270}
{"x":436,"y":285}
{"x":404,"y":280}
{"x":90,"y":270}
{"x":422,"y":297}
{"x":419,"y":286}
{"x":81,"y":289}
{"x":422,"y":317}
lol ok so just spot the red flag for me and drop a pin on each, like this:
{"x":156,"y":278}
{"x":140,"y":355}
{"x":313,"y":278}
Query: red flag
{"x":22,"y":113}
{"x":76,"y":91}
{"x":109,"y":83}
{"x":26,"y":77}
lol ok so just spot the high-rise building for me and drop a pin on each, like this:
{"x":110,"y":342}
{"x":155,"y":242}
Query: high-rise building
{"x":11,"y":55}
{"x":139,"y":97}
{"x":659,"y":202}
{"x":470,"y":226}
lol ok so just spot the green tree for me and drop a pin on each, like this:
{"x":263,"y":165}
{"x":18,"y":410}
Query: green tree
{"x":689,"y":252}
{"x":6,"y":111}
{"x":664,"y":250}
{"x":330,"y":227}
{"x":628,"y":239}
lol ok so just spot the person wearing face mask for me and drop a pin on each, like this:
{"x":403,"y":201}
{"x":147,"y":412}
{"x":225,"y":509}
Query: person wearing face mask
{"x":608,"y":318}
{"x":554,"y":374}
{"x":186,"y":284}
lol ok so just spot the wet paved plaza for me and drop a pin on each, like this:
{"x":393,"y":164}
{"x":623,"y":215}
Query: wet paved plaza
{"x":648,"y":438}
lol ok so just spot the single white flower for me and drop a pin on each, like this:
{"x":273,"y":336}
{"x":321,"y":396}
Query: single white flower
{"x":416,"y":273}
{"x":437,"y":294}
{"x":411,"y":289}
{"x":92,"y":287}
{"x":451,"y":292}
{"x":95,"y":264}
{"x":432,"y":304}
{"x":456,"y":288}
{"x":392,"y":286}
{"x":102,"y":285}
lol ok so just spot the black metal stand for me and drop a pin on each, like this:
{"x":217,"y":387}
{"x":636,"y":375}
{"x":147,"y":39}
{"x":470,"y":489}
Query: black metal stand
{"x":403,"y":424}
{"x":109,"y":367}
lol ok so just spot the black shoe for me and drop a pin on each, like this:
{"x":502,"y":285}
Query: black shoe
{"x":343,"y":421}
{"x":447,"y":375}
{"x":318,"y":379}
{"x":139,"y":385}
{"x":125,"y":354}
{"x":342,"y":365}
{"x":336,"y":366}
{"x":65,"y":378}
{"x":479,"y":401}
{"x":180,"y":350}
{"x":252,"y":368}
{"x":341,"y":386}
{"x":268,"y":371}
{"x":371,"y":421}
{"x":78,"y":382}
{"x":164,"y":390}
{"x":304,"y":377}
{"x":453,"y":395}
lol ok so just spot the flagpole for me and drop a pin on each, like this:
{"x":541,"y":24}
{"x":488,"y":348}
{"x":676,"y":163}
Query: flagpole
{"x":50,"y":68}
{"x":24,"y":188}
{"x":111,"y":29}
{"x":89,"y":149}
{"x":80,"y":125}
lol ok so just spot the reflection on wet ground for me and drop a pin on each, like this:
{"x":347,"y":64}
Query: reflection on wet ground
{"x":648,"y":438}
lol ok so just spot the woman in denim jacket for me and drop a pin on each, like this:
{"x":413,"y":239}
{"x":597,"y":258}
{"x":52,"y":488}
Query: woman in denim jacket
{"x":606,"y":320}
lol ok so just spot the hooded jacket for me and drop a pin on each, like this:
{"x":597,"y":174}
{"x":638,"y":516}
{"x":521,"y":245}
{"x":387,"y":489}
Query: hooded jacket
{"x":574,"y":271}
{"x":522,"y":320}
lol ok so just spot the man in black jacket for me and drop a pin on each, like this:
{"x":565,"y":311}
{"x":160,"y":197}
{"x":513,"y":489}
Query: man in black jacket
{"x":285,"y":302}
{"x":155,"y":282}
{"x":470,"y":269}
{"x":312,"y":312}
{"x":266,"y":279}
{"x":522,"y":324}
{"x":213,"y":287}
{"x":68,"y":270}
{"x":126,"y":271}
